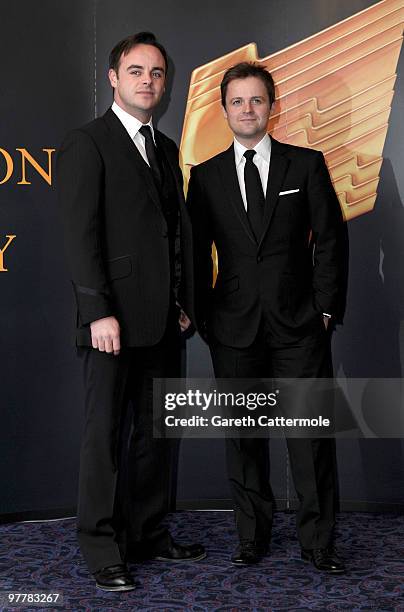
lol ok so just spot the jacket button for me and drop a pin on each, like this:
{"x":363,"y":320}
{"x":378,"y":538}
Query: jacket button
{"x":259,"y":258}
{"x":165,"y":234}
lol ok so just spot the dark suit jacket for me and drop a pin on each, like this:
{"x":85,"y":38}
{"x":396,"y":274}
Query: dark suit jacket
{"x":292,"y":275}
{"x":116,"y":232}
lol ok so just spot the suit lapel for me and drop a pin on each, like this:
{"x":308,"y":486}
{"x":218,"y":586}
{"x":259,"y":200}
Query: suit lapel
{"x":277,"y":170}
{"x":228,"y":173}
{"x":131,"y":152}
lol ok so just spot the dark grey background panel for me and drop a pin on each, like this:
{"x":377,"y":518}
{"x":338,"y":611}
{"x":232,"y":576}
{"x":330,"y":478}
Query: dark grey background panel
{"x":47,"y":71}
{"x":55,"y":78}
{"x":197,"y":32}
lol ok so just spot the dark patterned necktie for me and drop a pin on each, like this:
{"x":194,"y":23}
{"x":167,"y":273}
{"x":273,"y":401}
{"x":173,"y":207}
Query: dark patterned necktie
{"x":151,"y":153}
{"x":254,"y":194}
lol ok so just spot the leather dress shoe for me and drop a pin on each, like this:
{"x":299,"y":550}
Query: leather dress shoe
{"x":249,"y":553}
{"x":114,"y":578}
{"x":324,"y":559}
{"x":178,"y":552}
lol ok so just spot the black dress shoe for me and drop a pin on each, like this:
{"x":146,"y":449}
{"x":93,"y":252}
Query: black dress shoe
{"x":324,"y":559}
{"x":249,"y":553}
{"x":114,"y":578}
{"x":179,"y":552}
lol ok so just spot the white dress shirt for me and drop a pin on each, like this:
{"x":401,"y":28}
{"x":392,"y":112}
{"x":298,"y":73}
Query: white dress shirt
{"x":132,"y":126}
{"x":261,"y":159}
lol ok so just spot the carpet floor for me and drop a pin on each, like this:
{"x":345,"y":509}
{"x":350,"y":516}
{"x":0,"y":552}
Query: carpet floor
{"x":44,"y":557}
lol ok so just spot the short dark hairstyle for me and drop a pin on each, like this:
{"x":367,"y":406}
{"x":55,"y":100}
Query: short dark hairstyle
{"x":125,"y":45}
{"x":244,"y":70}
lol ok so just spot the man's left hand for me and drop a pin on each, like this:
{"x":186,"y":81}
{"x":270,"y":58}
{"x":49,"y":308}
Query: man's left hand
{"x":184,"y":321}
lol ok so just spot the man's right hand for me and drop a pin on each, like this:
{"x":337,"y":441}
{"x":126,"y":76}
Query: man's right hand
{"x":105,"y":335}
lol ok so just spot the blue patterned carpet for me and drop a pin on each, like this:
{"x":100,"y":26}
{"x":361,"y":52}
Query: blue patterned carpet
{"x":44,"y":556}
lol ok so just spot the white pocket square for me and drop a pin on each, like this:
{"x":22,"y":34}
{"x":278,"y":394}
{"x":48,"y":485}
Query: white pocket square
{"x":289,"y":191}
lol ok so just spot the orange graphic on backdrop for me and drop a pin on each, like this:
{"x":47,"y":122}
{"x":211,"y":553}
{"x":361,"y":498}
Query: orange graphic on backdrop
{"x":334,"y":93}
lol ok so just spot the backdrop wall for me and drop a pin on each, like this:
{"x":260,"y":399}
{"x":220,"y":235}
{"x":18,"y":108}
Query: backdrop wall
{"x":55,"y":65}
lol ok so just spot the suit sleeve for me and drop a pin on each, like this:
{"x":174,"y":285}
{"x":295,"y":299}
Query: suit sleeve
{"x":181,"y":278}
{"x":80,"y":180}
{"x":178,"y":265}
{"x":202,"y":239}
{"x":326,"y":223}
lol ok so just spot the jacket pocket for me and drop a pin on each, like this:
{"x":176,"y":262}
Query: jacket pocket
{"x":119,"y":267}
{"x":229,"y":285}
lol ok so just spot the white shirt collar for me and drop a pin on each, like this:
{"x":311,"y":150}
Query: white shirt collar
{"x":130,"y":123}
{"x":263,"y":149}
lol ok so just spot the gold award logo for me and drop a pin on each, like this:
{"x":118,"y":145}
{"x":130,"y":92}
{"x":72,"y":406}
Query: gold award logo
{"x":334,"y":93}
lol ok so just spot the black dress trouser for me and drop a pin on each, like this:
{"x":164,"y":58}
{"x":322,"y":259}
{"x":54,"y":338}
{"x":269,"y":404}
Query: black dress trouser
{"x":313,"y":461}
{"x":116,"y":515}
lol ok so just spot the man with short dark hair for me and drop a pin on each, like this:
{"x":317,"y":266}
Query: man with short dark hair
{"x":128,"y":241}
{"x":272,"y":212}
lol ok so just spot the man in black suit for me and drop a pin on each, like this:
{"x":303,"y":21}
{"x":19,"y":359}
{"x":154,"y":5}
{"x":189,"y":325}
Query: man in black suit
{"x":128,"y":241}
{"x":271,"y":210}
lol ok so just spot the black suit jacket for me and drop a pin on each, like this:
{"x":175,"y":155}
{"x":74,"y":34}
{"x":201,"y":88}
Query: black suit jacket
{"x":292,"y":275}
{"x":116,"y":233}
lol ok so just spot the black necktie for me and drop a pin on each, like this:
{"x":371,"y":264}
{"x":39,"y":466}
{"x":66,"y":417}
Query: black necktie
{"x":254,"y":194}
{"x":151,"y":153}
